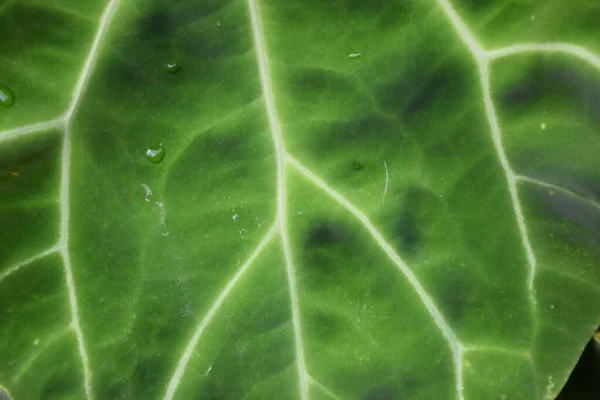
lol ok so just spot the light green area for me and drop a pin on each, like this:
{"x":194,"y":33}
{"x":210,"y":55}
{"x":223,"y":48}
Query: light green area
{"x":404,"y":246}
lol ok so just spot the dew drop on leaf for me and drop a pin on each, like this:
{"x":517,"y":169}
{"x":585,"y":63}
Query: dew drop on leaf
{"x":354,"y":55}
{"x":173,"y":68}
{"x":356,"y":165}
{"x":7,"y":97}
{"x":155,"y":153}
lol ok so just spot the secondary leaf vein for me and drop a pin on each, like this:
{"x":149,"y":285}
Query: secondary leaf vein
{"x":187,"y":354}
{"x":439,"y":320}
{"x":64,"y":191}
{"x":281,"y":197}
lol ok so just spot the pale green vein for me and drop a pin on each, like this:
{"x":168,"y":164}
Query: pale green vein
{"x":65,"y":182}
{"x":439,"y":320}
{"x":324,"y":388}
{"x":564,"y":48}
{"x":484,"y":58}
{"x":192,"y":137}
{"x":187,"y":354}
{"x":552,"y":186}
{"x":480,"y":56}
{"x":30,"y":204}
{"x":580,"y":280}
{"x":275,"y":127}
{"x":46,"y":344}
{"x":28,"y":129}
{"x":11,"y":270}
{"x":526,"y":354}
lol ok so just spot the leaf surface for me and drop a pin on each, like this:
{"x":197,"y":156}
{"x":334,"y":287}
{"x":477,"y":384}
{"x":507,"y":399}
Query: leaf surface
{"x":358,"y":200}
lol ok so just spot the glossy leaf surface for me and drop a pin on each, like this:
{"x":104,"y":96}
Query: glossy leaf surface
{"x":298,"y":199}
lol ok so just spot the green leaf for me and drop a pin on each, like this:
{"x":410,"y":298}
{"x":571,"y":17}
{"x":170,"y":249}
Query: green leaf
{"x":297,"y":199}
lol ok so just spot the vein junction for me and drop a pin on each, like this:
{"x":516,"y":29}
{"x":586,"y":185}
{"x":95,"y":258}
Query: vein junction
{"x":483,"y":58}
{"x":64,"y":123}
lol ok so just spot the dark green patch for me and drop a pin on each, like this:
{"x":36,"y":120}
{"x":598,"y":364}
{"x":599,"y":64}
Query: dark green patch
{"x":414,"y":218}
{"x":550,"y":80}
{"x":118,"y":390}
{"x":32,"y":171}
{"x":417,"y":89}
{"x":453,"y":295}
{"x":407,"y":231}
{"x":149,"y":373}
{"x":30,"y":26}
{"x":383,"y":393}
{"x":64,"y":383}
{"x":523,"y":92}
{"x":357,"y":166}
{"x":217,"y":42}
{"x":325,"y":325}
{"x":194,"y":10}
{"x":127,"y":75}
{"x":394,"y":14}
{"x":369,"y":131}
{"x":231,"y":147}
{"x":324,"y":234}
{"x":572,"y":209}
{"x":585,"y":89}
{"x":157,"y":24}
{"x":312,"y":84}
{"x":366,"y":9}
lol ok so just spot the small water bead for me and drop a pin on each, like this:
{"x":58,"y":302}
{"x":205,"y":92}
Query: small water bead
{"x":155,"y":153}
{"x":173,"y":68}
{"x":354,"y":55}
{"x":7,"y":97}
{"x":356,"y":165}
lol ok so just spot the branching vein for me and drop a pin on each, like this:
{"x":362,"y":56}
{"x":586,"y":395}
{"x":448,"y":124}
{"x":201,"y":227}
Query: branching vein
{"x":510,"y":178}
{"x":484,"y":58}
{"x":552,"y":186}
{"x":275,"y":128}
{"x":565,"y":48}
{"x":324,"y":388}
{"x":64,"y":191}
{"x":26,"y":262}
{"x":25,"y":130}
{"x":187,"y":354}
{"x":447,"y":332}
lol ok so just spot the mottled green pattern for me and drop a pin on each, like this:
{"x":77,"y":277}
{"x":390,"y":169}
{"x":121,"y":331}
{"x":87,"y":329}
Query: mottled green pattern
{"x":391,"y":199}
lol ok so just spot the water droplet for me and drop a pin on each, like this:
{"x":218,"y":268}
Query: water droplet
{"x":7,"y":97}
{"x":355,"y":55}
{"x":357,"y":166}
{"x":173,"y":68}
{"x":155,"y":153}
